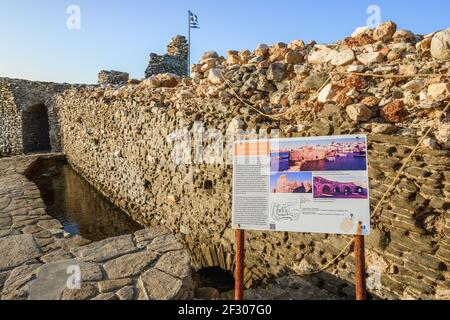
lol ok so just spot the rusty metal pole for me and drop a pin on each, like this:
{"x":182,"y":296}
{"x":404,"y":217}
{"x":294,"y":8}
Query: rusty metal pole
{"x":239,"y":268}
{"x":360,"y":268}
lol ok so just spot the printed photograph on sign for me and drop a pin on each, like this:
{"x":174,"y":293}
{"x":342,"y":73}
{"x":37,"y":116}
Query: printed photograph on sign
{"x":340,"y":187}
{"x":291,"y":182}
{"x":310,"y":184}
{"x":333,"y":154}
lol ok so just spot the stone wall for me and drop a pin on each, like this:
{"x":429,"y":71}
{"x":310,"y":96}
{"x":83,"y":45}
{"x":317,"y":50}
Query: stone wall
{"x":174,"y":61}
{"x":29,"y":100}
{"x":113,"y":77}
{"x":120,"y":140}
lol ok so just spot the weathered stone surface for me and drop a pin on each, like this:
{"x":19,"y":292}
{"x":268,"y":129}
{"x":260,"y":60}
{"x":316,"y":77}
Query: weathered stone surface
{"x":440,"y":45}
{"x":214,"y":76}
{"x":343,"y":58}
{"x":50,"y":224}
{"x":130,"y":265}
{"x":443,"y":134}
{"x":106,"y":249}
{"x":165,"y":243}
{"x":113,"y":77}
{"x":370,"y":58}
{"x":126,"y":293}
{"x":86,"y":291}
{"x":385,"y":31}
{"x":158,"y":285}
{"x":17,"y":283}
{"x":315,"y":81}
{"x":276,"y":72}
{"x":174,"y":61}
{"x":175,"y":263}
{"x":394,"y":111}
{"x":111,"y":285}
{"x":327,"y":93}
{"x":358,"y":112}
{"x":16,"y":250}
{"x":53,"y":278}
{"x":384,"y":128}
{"x":439,"y":91}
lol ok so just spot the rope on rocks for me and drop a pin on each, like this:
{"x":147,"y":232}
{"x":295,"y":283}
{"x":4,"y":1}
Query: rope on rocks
{"x":248,"y":104}
{"x":380,"y":202}
{"x":315,"y":94}
{"x":375,"y":75}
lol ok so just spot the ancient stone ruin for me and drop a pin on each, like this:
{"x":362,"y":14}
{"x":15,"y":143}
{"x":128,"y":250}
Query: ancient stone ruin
{"x":174,"y":61}
{"x":113,"y":77}
{"x":389,"y":84}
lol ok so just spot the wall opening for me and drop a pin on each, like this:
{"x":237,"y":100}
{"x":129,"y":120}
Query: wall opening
{"x":215,"y":277}
{"x":36,"y":129}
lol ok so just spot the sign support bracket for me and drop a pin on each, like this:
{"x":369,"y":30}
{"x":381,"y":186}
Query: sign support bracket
{"x":239,"y":267}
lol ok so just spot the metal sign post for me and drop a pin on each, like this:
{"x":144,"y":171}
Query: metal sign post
{"x":239,"y":268}
{"x":360,"y":266}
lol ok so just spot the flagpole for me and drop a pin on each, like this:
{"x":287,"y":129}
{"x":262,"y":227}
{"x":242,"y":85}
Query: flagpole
{"x":189,"y":44}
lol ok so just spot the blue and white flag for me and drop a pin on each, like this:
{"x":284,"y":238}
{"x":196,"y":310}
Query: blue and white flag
{"x":193,"y":21}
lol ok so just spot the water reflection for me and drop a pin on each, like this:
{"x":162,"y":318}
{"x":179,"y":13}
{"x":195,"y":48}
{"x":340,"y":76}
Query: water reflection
{"x":79,"y":207}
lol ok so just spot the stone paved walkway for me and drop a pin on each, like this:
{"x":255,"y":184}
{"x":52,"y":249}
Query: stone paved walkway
{"x":39,"y":260}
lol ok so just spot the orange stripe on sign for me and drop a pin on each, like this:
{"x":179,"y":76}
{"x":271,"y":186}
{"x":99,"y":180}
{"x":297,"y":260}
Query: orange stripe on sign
{"x":251,"y":149}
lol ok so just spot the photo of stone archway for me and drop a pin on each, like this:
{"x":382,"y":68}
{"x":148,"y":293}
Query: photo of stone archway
{"x":340,"y":188}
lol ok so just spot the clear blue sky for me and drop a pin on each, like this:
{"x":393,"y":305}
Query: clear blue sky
{"x":120,"y":34}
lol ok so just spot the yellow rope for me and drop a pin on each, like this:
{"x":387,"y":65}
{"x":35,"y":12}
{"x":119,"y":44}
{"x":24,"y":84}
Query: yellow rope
{"x":420,"y":75}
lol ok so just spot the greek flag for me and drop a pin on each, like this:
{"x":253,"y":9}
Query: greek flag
{"x":193,"y":21}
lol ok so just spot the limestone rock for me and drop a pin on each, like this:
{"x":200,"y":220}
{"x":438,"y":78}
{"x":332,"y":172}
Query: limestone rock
{"x":106,"y":249}
{"x":315,"y":81}
{"x":129,"y":265}
{"x":413,"y":85}
{"x":165,"y":243}
{"x":158,"y":285}
{"x":370,"y":58}
{"x":17,"y":249}
{"x":126,"y":293}
{"x":439,"y":91}
{"x":359,"y":30}
{"x":343,"y":58}
{"x":384,"y":128}
{"x":262,"y":50}
{"x":358,"y":112}
{"x":214,"y":76}
{"x":293,"y":57}
{"x":327,"y":93}
{"x":276,"y":72}
{"x":169,"y":80}
{"x":443,"y":134}
{"x":50,"y":224}
{"x":113,"y":284}
{"x":394,"y":111}
{"x":384,"y":31}
{"x":86,"y":291}
{"x":321,"y":55}
{"x":175,"y":263}
{"x":440,"y":45}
